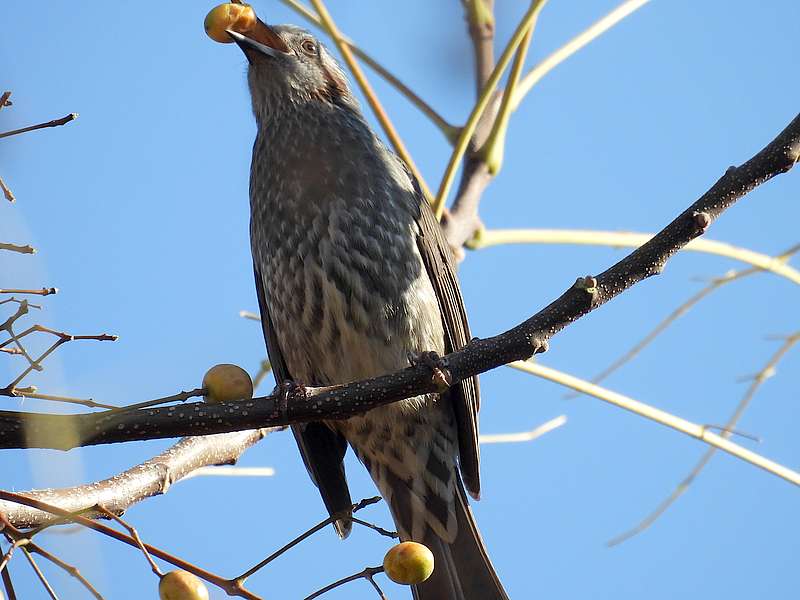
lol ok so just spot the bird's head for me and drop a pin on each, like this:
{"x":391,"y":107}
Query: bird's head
{"x":288,"y":64}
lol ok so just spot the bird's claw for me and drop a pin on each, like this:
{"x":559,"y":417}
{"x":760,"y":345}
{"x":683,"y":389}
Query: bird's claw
{"x":288,"y":391}
{"x":440,"y":376}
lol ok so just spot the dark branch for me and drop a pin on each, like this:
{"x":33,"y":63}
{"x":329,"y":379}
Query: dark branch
{"x":21,"y":430}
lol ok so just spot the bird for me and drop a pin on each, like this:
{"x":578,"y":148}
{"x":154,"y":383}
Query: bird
{"x":354,"y":276}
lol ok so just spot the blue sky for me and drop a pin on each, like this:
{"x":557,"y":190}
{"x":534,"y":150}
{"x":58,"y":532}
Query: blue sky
{"x":139,"y":213}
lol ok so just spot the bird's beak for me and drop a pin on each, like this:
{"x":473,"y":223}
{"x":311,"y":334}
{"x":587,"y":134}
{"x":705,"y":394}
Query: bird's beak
{"x":261,"y":41}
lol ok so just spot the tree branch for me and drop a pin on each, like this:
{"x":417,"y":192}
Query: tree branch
{"x":20,"y":430}
{"x":150,"y":478}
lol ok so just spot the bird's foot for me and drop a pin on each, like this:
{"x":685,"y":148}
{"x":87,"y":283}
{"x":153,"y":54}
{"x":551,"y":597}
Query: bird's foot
{"x":287,"y":392}
{"x":440,"y":376}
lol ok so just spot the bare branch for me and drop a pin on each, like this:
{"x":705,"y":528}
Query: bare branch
{"x":367,"y":574}
{"x":630,"y":239}
{"x":53,"y":123}
{"x":338,"y":402}
{"x":523,"y":436}
{"x":104,"y":512}
{"x":27,"y":249}
{"x":39,"y":292}
{"x":51,"y":592}
{"x":728,"y":430}
{"x":225,"y":584}
{"x":681,"y":310}
{"x":68,"y":568}
{"x":5,"y":574}
{"x":303,"y":536}
{"x":151,"y":478}
{"x":694,"y":430}
{"x":7,"y":193}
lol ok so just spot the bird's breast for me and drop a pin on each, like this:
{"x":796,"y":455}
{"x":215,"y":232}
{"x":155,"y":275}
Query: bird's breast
{"x":346,"y":290}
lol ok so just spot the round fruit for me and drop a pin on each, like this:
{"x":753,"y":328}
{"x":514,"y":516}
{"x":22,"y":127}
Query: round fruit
{"x":408,"y":563}
{"x":238,"y":17}
{"x":181,"y":585}
{"x":224,"y":383}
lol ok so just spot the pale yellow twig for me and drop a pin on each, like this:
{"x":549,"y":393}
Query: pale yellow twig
{"x":494,"y":147}
{"x":523,"y":436}
{"x":571,"y":47}
{"x":622,"y":239}
{"x":369,"y":93}
{"x":700,"y":432}
{"x":468,"y":130}
{"x":765,"y":373}
{"x":449,"y":130}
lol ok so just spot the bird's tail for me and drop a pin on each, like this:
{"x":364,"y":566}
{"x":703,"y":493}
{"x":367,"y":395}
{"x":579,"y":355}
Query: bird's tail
{"x":462,"y":569}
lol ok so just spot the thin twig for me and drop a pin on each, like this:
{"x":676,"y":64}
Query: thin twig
{"x":681,"y":310}
{"x":683,"y":486}
{"x":68,"y":568}
{"x":449,"y":130}
{"x":134,"y":534}
{"x":572,"y":46}
{"x":88,"y":402}
{"x":179,"y":397}
{"x":13,"y":247}
{"x":306,"y":534}
{"x":369,"y":94}
{"x":381,"y":530}
{"x":19,"y":302}
{"x":367,"y":574}
{"x":483,"y":101}
{"x":9,"y":195}
{"x":14,"y":545}
{"x":40,"y":574}
{"x":53,"y":123}
{"x":629,"y":239}
{"x":5,"y":574}
{"x":39,"y":292}
{"x":119,"y":536}
{"x":523,"y":436}
{"x":700,"y":432}
{"x":494,"y":147}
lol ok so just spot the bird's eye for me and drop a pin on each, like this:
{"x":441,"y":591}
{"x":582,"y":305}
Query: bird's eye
{"x":309,"y":47}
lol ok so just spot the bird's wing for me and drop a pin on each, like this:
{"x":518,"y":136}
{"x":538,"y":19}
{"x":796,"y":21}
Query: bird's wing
{"x":322,"y":448}
{"x":465,"y":395}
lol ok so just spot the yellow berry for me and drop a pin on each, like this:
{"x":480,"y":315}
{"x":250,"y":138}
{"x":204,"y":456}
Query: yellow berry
{"x":237,"y":17}
{"x":408,"y":563}
{"x":224,"y":383}
{"x":181,"y":585}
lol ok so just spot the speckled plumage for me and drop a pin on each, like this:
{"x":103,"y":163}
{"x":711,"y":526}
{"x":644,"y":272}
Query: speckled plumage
{"x":353,"y":275}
